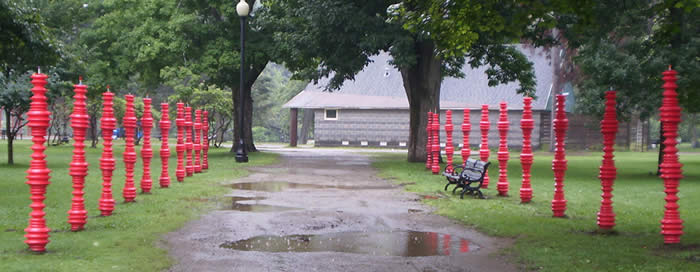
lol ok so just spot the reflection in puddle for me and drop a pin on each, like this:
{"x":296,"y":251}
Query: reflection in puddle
{"x":245,"y":207}
{"x":278,"y":186}
{"x":400,"y":243}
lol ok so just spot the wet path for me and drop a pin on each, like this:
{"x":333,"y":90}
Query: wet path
{"x":325,"y":210}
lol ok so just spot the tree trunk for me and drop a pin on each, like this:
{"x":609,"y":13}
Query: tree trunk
{"x":693,"y":130}
{"x":251,"y":76}
{"x":93,"y":131}
{"x":661,"y":147}
{"x":422,"y":84}
{"x":306,"y":123}
{"x":8,"y":129}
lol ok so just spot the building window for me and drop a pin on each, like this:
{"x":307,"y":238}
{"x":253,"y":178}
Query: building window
{"x":331,"y":114}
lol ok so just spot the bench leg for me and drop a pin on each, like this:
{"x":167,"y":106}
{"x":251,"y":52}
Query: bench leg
{"x":447,"y":185}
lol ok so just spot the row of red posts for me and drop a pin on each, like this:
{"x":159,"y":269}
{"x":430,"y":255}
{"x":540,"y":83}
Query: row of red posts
{"x":671,"y":225}
{"x":37,"y":233}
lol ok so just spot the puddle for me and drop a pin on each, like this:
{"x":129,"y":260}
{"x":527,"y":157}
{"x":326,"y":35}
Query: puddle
{"x":278,"y":186}
{"x":399,"y":243}
{"x":247,"y":207}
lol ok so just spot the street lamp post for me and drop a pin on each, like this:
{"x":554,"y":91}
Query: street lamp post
{"x":242,"y":9}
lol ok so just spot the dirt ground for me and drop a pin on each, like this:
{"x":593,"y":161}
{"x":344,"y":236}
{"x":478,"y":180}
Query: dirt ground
{"x":333,"y":196}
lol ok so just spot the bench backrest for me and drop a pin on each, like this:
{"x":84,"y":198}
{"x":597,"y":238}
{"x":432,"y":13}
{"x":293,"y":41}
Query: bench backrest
{"x":475,"y":169}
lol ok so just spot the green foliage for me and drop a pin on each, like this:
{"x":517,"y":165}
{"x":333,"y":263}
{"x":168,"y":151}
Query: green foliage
{"x":630,"y":48}
{"x":544,"y":243}
{"x":336,"y":38}
{"x":130,"y":239}
{"x":26,"y":41}
{"x":272,"y":89}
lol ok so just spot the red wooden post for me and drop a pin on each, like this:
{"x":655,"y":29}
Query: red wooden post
{"x":503,"y":155}
{"x":37,"y":233}
{"x":449,"y":147}
{"x":429,"y":142}
{"x":180,"y":147}
{"x":205,"y":130}
{"x":484,"y":149}
{"x":77,"y":215}
{"x":129,"y":191}
{"x":608,"y":172}
{"x":164,"y":148}
{"x":189,"y":145}
{"x":526,"y":157}
{"x":559,"y":162}
{"x":107,"y":162}
{"x":146,"y":150}
{"x":197,"y":141}
{"x":436,"y":143}
{"x":466,"y":128}
{"x":671,"y":173}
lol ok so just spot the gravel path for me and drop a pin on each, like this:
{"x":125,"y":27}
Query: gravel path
{"x":331,"y":211}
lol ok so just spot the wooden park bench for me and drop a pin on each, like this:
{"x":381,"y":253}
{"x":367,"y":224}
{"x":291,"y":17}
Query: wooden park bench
{"x":468,"y":176}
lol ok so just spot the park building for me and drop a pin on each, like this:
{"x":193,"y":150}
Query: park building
{"x":372,"y":110}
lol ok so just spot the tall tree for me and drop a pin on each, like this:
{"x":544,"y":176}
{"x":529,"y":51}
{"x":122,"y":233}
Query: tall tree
{"x":627,"y":47}
{"x":26,"y":43}
{"x":201,"y":36}
{"x":428,"y":40}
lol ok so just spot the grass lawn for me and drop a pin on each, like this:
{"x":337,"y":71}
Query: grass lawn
{"x":125,"y":241}
{"x":545,"y":243}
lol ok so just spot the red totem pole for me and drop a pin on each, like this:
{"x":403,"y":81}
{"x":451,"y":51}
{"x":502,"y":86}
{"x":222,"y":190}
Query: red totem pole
{"x":526,"y":157}
{"x":146,"y":151}
{"x":449,"y":148}
{"x":129,"y":191}
{"x":189,"y":145}
{"x":37,"y":233}
{"x":484,"y":149}
{"x":107,"y":162}
{"x":608,"y":127}
{"x":197,"y":141}
{"x":672,"y":224}
{"x":164,"y":148}
{"x":503,"y":124}
{"x":466,"y":127}
{"x":429,"y":143}
{"x":559,"y":162}
{"x":77,"y":215}
{"x":435,"y":127}
{"x":180,"y":147}
{"x":205,"y":137}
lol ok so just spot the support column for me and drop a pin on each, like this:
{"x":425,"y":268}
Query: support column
{"x":293,"y":116}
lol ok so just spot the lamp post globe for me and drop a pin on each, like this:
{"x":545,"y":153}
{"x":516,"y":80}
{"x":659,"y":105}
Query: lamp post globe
{"x":242,"y":8}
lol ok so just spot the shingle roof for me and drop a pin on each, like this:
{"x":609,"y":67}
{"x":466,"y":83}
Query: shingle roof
{"x":380,"y":85}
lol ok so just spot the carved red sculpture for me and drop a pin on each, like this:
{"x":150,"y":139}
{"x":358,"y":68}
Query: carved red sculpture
{"x":449,"y":147}
{"x":180,"y":147}
{"x":205,"y":146}
{"x":435,"y":126}
{"x":484,"y":152}
{"x":671,"y":173}
{"x":189,"y":145}
{"x":429,"y":142}
{"x":37,"y":234}
{"x":466,"y":128}
{"x":146,"y":150}
{"x":77,"y":215}
{"x":164,"y":148}
{"x":107,"y":162}
{"x":502,"y":185}
{"x":526,"y":157}
{"x":129,"y":190}
{"x":561,"y":123}
{"x":197,"y":141}
{"x":608,"y":172}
